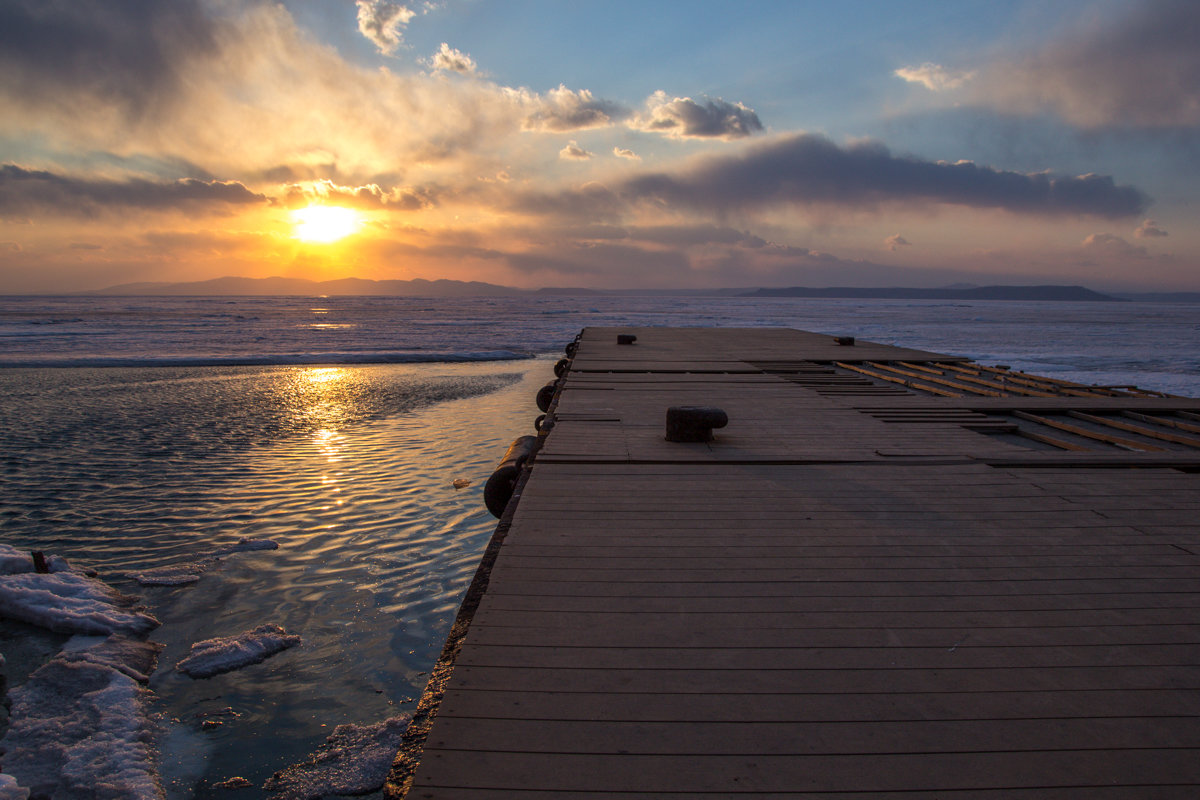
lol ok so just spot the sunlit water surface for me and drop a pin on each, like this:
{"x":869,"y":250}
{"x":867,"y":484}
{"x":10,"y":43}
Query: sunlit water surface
{"x":349,"y":469}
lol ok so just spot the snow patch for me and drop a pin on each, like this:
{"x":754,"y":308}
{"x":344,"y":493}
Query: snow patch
{"x":79,"y":726}
{"x":13,"y":561}
{"x":355,"y":759}
{"x":67,"y":602}
{"x":222,"y":654}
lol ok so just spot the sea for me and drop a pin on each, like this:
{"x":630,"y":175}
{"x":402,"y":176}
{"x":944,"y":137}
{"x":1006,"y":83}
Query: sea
{"x":357,"y":433}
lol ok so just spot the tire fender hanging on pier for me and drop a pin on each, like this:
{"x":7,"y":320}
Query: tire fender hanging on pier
{"x":499,"y":487}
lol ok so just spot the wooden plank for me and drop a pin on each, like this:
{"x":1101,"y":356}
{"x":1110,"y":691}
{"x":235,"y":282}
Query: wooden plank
{"x":841,"y":595}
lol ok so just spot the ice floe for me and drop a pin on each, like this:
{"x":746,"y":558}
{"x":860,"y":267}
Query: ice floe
{"x":67,"y":602}
{"x":222,"y":654}
{"x":79,"y":726}
{"x":355,"y":759}
{"x":181,"y":574}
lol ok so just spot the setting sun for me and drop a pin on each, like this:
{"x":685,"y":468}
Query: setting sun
{"x":323,"y":224}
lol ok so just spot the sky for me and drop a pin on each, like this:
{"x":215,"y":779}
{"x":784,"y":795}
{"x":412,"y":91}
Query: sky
{"x":619,"y":144}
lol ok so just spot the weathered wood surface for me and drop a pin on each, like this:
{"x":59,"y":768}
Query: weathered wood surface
{"x":790,"y":611}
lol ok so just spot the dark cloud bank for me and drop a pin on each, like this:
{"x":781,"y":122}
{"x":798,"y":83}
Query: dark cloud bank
{"x":128,"y":53}
{"x":810,"y":169}
{"x":24,"y":191}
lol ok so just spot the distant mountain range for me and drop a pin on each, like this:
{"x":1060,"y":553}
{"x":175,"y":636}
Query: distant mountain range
{"x":1061,"y":293}
{"x":419,"y":287}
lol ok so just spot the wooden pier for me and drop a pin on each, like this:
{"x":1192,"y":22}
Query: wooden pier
{"x":893,"y":574}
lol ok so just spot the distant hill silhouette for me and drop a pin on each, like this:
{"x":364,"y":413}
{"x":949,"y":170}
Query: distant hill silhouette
{"x":419,"y":287}
{"x":1062,"y":293}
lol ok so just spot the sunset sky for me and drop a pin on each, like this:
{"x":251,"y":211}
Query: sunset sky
{"x":601,"y":144}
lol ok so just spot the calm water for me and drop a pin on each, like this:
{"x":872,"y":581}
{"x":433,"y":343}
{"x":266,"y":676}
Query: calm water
{"x":335,"y":426}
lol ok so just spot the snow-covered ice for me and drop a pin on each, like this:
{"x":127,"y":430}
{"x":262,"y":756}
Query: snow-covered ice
{"x":355,"y":759}
{"x":222,"y":654}
{"x":176,"y":575}
{"x":79,"y":727}
{"x":180,"y":574}
{"x":67,"y":602}
{"x":13,"y":561}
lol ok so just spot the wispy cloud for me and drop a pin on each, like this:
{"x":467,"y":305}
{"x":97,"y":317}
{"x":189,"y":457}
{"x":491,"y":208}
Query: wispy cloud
{"x":895,"y":242}
{"x":1137,"y":70}
{"x":687,"y":118}
{"x":1149,"y":230}
{"x":383,"y":22}
{"x":368,"y":196}
{"x":561,"y":110}
{"x":574,"y":152}
{"x":622,"y":152}
{"x":447,"y":59}
{"x":935,"y":77}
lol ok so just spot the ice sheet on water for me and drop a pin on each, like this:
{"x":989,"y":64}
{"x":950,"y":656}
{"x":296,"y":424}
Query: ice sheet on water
{"x":80,"y":729}
{"x":355,"y":759}
{"x":13,"y":561}
{"x":67,"y":602}
{"x":180,"y":574}
{"x":223,"y":654}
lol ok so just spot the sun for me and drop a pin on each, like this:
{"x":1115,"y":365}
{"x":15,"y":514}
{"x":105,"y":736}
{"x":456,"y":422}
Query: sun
{"x":324,"y":224}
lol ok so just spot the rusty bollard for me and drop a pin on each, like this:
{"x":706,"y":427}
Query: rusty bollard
{"x":694,"y":423}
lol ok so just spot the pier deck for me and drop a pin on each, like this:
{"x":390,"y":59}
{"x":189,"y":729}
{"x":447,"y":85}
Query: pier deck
{"x":874,"y":581}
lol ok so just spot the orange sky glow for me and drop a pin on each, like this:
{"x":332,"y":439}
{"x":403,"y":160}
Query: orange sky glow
{"x":332,"y":140}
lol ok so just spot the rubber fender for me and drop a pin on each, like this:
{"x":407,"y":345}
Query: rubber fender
{"x":694,"y":423}
{"x":537,"y":423}
{"x":545,"y":396}
{"x":499,"y":487}
{"x":560,"y":368}
{"x":571,"y":348}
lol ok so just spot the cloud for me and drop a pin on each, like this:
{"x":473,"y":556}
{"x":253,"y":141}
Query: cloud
{"x":38,"y":192}
{"x":811,"y":169}
{"x":562,"y":110}
{"x":1140,"y":70}
{"x":934,"y":77}
{"x":1149,"y":230}
{"x":129,"y":57}
{"x":683,"y":117}
{"x":575,"y":152}
{"x":447,"y":59}
{"x":1109,"y":245}
{"x":366,"y":197}
{"x":621,"y":152}
{"x":895,"y":242}
{"x":382,"y":21}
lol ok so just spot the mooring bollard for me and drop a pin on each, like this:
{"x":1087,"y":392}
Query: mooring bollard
{"x":626,"y":338}
{"x":847,"y":341}
{"x":694,"y":423}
